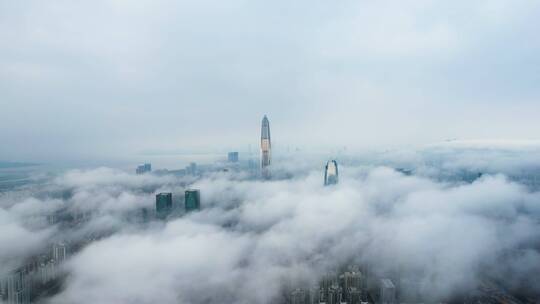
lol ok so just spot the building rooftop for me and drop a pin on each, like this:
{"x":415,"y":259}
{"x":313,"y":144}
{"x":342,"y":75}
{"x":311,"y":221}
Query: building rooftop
{"x":386,"y":283}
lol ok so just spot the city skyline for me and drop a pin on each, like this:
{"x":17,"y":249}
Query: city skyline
{"x":42,"y":276}
{"x":260,"y":228}
{"x":137,"y":163}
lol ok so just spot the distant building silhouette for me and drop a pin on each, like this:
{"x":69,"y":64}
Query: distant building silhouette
{"x":192,"y":169}
{"x":232,"y":157}
{"x":143,"y":168}
{"x":144,"y":215}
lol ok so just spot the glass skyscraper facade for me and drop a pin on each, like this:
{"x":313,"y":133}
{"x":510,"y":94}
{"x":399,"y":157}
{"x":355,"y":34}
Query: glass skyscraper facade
{"x":163,"y":205}
{"x":192,"y":200}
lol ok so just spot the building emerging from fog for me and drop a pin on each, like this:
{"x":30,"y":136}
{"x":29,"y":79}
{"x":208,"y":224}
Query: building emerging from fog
{"x":388,"y":292}
{"x":265,"y":147}
{"x":59,"y":252}
{"x":232,"y":157}
{"x":163,"y":205}
{"x":334,"y":295}
{"x":192,"y":200}
{"x":192,"y":169}
{"x":143,"y":169}
{"x":298,"y":296}
{"x":331,"y":175}
{"x":15,"y":287}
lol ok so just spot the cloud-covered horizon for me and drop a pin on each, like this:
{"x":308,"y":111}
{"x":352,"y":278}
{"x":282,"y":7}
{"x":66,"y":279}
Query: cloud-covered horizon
{"x":445,"y":238}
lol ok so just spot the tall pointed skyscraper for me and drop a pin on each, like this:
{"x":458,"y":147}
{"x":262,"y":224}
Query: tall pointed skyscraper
{"x":331,"y":175}
{"x":265,"y":147}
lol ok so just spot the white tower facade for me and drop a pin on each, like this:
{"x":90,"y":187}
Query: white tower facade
{"x":266,"y":148}
{"x":331,"y":176}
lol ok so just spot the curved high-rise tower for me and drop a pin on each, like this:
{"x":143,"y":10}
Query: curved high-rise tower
{"x":265,"y":147}
{"x":331,"y":175}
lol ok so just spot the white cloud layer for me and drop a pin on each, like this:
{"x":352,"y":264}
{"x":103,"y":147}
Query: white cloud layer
{"x":254,"y":238}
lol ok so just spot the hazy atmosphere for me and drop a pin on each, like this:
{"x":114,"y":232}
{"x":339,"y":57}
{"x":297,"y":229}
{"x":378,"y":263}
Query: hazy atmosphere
{"x":109,"y":79}
{"x":277,"y":152}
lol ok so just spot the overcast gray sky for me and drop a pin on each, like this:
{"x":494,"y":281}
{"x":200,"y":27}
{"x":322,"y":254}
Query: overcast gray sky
{"x":93,"y":79}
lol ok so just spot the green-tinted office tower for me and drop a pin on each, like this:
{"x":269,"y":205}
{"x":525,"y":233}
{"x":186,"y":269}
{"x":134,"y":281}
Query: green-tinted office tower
{"x":192,"y":200}
{"x":163,"y":204}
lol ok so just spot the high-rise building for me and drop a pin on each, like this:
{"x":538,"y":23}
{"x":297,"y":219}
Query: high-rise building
{"x":143,"y":168}
{"x":299,"y":296}
{"x":334,"y":295}
{"x":266,"y":147}
{"x":48,"y":271}
{"x":327,"y":281}
{"x":331,"y":175}
{"x":351,"y":281}
{"x":144,"y":215}
{"x":232,"y":157}
{"x":192,"y":200}
{"x":353,"y":295}
{"x":59,"y":252}
{"x":163,"y":205}
{"x":16,"y":287}
{"x":315,"y":295}
{"x":388,"y":292}
{"x":192,"y":169}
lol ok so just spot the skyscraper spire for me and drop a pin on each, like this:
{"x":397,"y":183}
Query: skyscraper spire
{"x":265,"y":147}
{"x":331,"y":175}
